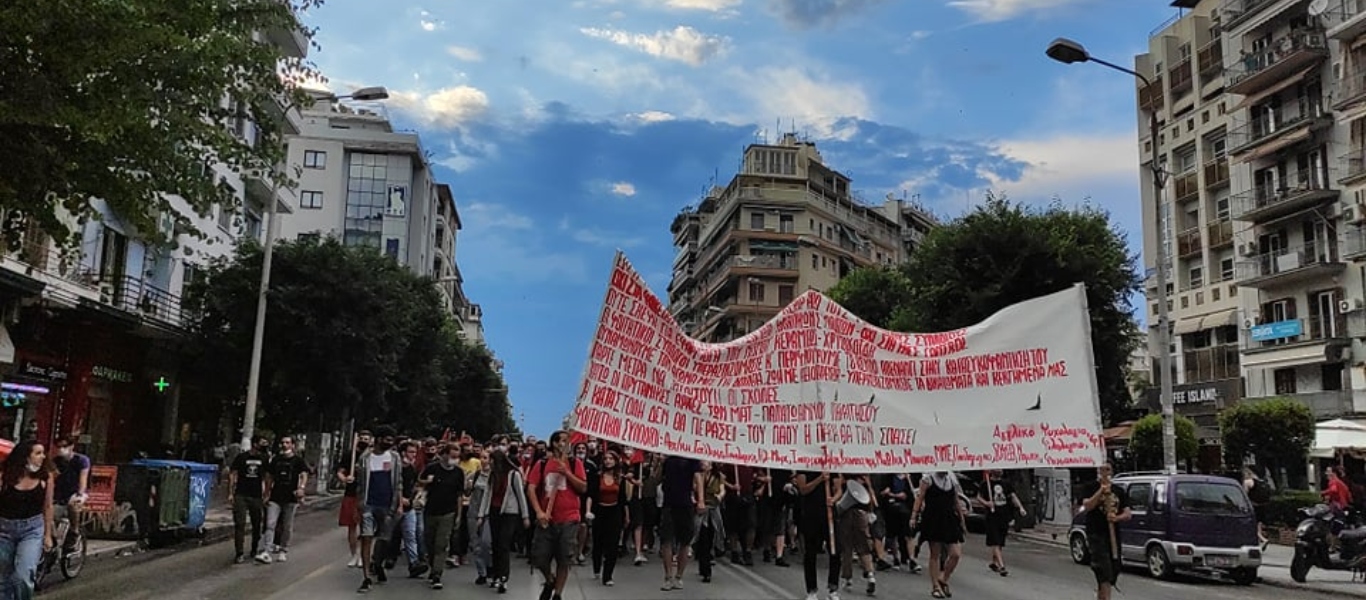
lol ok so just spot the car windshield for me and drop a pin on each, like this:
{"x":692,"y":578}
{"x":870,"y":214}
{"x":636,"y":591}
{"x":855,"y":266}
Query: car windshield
{"x":1211,"y":498}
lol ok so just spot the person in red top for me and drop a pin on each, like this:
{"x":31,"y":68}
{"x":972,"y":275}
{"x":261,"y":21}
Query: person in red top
{"x":555,"y":486}
{"x":1337,"y":494}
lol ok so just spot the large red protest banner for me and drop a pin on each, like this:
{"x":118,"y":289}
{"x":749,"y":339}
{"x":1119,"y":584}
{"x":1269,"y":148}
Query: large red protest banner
{"x":816,"y":387}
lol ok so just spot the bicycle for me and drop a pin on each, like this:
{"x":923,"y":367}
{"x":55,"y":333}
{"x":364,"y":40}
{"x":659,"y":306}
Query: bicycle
{"x":67,"y":554}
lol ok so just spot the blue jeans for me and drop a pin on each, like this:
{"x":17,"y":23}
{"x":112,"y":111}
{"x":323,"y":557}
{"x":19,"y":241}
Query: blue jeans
{"x":21,"y":547}
{"x":412,"y":525}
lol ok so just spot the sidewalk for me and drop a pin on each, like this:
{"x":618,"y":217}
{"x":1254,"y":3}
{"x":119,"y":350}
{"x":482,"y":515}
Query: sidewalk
{"x":217,"y":527}
{"x":1275,"y":569}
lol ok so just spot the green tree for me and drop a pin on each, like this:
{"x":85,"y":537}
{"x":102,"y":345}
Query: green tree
{"x":126,"y":101}
{"x":1275,"y":432}
{"x":349,"y":334}
{"x":872,"y":293}
{"x":1004,"y":253}
{"x":1145,"y":444}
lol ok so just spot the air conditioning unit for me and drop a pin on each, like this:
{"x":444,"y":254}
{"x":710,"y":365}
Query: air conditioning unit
{"x":1249,"y":249}
{"x":1335,"y":211}
{"x":1347,"y":306}
{"x":1249,"y":323}
{"x":1358,"y":213}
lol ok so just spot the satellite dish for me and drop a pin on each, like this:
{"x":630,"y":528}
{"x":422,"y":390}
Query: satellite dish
{"x":1318,"y":7}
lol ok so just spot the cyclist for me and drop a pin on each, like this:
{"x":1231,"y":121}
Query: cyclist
{"x":69,"y":491}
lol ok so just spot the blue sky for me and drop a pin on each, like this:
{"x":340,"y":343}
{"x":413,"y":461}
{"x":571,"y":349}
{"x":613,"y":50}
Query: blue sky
{"x":570,"y":128}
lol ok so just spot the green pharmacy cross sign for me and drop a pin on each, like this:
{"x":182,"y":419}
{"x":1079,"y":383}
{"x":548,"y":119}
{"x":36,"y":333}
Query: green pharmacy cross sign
{"x":161,"y":384}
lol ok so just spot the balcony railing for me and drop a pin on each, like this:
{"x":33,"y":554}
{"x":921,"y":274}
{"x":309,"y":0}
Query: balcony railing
{"x":1320,"y":328}
{"x":1255,"y":132}
{"x":764,"y":261}
{"x":1216,"y":172}
{"x":1210,"y":58}
{"x":1325,"y":404}
{"x":1220,"y":233}
{"x":1354,"y":242}
{"x":1282,"y":57}
{"x":1150,"y":97}
{"x":139,"y":297}
{"x":1233,"y":12}
{"x":1301,"y":189}
{"x":1181,"y":76}
{"x":1187,"y":185}
{"x":1211,"y":363}
{"x":40,"y":259}
{"x":1350,"y":89}
{"x":1188,"y":242}
{"x":1289,"y":265}
{"x":1346,"y":19}
{"x":1353,"y":165}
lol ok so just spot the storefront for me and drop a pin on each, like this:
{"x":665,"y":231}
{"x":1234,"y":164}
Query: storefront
{"x":1202,"y":403}
{"x":29,"y":396}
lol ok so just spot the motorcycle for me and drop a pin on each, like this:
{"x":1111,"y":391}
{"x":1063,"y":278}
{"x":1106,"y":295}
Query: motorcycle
{"x":1313,"y":548}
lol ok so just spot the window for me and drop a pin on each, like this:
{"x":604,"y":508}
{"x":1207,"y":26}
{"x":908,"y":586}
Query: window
{"x":815,"y":261}
{"x":1140,"y":496}
{"x":785,"y":294}
{"x":1211,"y":498}
{"x":785,"y":224}
{"x":1197,"y":277}
{"x":391,"y":248}
{"x":310,"y":199}
{"x":253,"y":225}
{"x":224,"y":216}
{"x":756,"y":220}
{"x":315,"y":159}
{"x":1226,"y":269}
{"x":756,"y":292}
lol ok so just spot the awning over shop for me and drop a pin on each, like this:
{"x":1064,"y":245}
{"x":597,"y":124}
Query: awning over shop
{"x":1338,"y":434}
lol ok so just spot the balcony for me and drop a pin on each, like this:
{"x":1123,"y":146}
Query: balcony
{"x":1349,"y":90}
{"x":764,"y":264}
{"x":1186,"y":186}
{"x":1233,"y":12}
{"x":1216,"y":173}
{"x":137,"y":296}
{"x":1181,"y":76}
{"x":685,"y":252}
{"x":291,"y":41}
{"x":1188,"y":243}
{"x":1212,"y":363}
{"x":1284,"y":56}
{"x":1346,"y":20}
{"x":1302,"y":190}
{"x":1220,"y":234}
{"x":1150,"y":97}
{"x":1290,"y":266}
{"x":1354,"y":243}
{"x":64,"y":274}
{"x":1266,"y":134}
{"x":1325,"y":404}
{"x":1210,"y":59}
{"x":1354,"y":166}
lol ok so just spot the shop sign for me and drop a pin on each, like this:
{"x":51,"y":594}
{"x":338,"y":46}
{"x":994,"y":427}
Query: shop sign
{"x":39,"y":371}
{"x":1219,"y":393}
{"x":110,"y":374}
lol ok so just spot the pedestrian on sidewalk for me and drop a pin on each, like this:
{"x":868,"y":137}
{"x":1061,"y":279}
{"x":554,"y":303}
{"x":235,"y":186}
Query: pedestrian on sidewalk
{"x":1106,"y":508}
{"x":504,"y":512}
{"x":27,"y":484}
{"x":379,"y":493}
{"x":444,"y":483}
{"x":943,"y":521}
{"x":555,"y":485}
{"x":246,"y":495}
{"x":286,"y":481}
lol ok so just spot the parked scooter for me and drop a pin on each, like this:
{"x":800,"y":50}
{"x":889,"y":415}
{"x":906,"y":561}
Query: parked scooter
{"x":1313,"y":548}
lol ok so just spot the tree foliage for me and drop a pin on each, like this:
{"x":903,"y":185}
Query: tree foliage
{"x":349,"y":334}
{"x":1145,"y":444}
{"x":1003,"y":253}
{"x":1274,"y":432}
{"x":126,"y":101}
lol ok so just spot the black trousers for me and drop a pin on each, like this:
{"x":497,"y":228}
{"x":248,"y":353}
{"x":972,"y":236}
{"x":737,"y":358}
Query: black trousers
{"x":505,"y":530}
{"x":814,"y":532}
{"x":607,"y":525}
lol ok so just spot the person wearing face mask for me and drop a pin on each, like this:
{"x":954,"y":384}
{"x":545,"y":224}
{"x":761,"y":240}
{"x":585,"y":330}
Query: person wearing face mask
{"x":379,"y":494}
{"x":246,"y":495}
{"x":73,"y":477}
{"x":285,"y":483}
{"x":460,"y":542}
{"x":349,"y":517}
{"x":26,"y":516}
{"x":586,"y":503}
{"x":444,"y":483}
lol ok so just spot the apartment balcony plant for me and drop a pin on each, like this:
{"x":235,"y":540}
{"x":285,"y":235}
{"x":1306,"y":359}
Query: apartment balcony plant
{"x":1284,"y":56}
{"x":1289,"y":266}
{"x":1302,"y":190}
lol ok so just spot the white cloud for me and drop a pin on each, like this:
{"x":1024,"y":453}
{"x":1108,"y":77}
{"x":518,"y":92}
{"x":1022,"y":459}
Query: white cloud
{"x":447,"y":107}
{"x":427,"y":22}
{"x":920,"y":34}
{"x":510,"y":248}
{"x":813,"y":99}
{"x":683,"y":44}
{"x":465,"y":54}
{"x":596,"y":237}
{"x":707,"y":5}
{"x":1069,"y":165}
{"x":483,"y":216}
{"x":1002,"y":10}
{"x":624,"y":188}
{"x":652,"y":116}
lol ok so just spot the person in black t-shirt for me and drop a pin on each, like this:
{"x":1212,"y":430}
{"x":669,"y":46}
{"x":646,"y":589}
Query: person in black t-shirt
{"x":285,"y":480}
{"x":444,"y":482}
{"x":998,"y":497}
{"x":1107,"y":507}
{"x":813,"y":526}
{"x":246,"y":489}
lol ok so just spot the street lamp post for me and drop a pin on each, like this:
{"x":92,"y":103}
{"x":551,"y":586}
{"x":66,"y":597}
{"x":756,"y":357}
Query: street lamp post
{"x":267,"y":253}
{"x":1067,"y":51}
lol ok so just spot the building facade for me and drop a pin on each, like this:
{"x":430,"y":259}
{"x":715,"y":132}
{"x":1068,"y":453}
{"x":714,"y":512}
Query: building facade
{"x":1263,"y":99}
{"x":369,"y":185}
{"x":784,"y":224}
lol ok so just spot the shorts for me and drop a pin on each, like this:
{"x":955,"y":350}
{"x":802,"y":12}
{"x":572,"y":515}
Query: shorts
{"x":557,"y":542}
{"x":998,"y":529}
{"x":348,"y":517}
{"x":854,"y":533}
{"x":878,"y":528}
{"x":1105,"y":568}
{"x":374,"y":522}
{"x":677,"y":526}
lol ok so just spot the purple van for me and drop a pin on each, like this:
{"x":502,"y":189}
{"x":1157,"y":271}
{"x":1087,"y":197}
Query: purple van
{"x":1199,"y":523}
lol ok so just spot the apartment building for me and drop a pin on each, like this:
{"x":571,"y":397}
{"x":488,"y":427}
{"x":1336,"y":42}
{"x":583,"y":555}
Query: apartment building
{"x":786,"y":223}
{"x":91,"y":340}
{"x":369,"y":185}
{"x":916,"y":221}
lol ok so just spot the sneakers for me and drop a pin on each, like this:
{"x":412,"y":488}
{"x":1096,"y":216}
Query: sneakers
{"x":282,"y":556}
{"x":435,"y":584}
{"x":264,"y":558}
{"x":365,"y":586}
{"x":871,"y":581}
{"x":640,"y":559}
{"x":813,"y":596}
{"x":671,"y":584}
{"x":241,"y":558}
{"x":354,"y":563}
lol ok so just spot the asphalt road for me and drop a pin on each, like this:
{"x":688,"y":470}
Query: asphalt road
{"x":316,"y":571}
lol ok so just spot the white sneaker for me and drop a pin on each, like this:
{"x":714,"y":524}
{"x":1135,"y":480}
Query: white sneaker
{"x":640,"y":559}
{"x":263,"y":558}
{"x":282,"y":556}
{"x":813,"y":596}
{"x":834,"y":595}
{"x":678,"y":583}
{"x":668,"y":585}
{"x":354,"y":563}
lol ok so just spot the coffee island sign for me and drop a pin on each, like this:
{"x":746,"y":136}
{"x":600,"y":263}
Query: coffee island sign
{"x":818,"y":388}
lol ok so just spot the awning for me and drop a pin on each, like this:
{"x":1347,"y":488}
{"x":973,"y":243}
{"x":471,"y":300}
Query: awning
{"x":1193,"y":325}
{"x":1338,"y":434}
{"x":1273,"y":90}
{"x":1302,"y":355}
{"x":1278,"y":145}
{"x":6,"y":346}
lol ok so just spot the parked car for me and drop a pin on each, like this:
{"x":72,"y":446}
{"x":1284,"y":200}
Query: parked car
{"x":1196,"y":523}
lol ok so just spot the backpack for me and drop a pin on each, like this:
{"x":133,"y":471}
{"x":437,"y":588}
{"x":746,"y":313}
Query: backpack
{"x":1260,"y":492}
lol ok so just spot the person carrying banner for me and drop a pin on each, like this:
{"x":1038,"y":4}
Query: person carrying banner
{"x":1106,"y":507}
{"x":814,"y":528}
